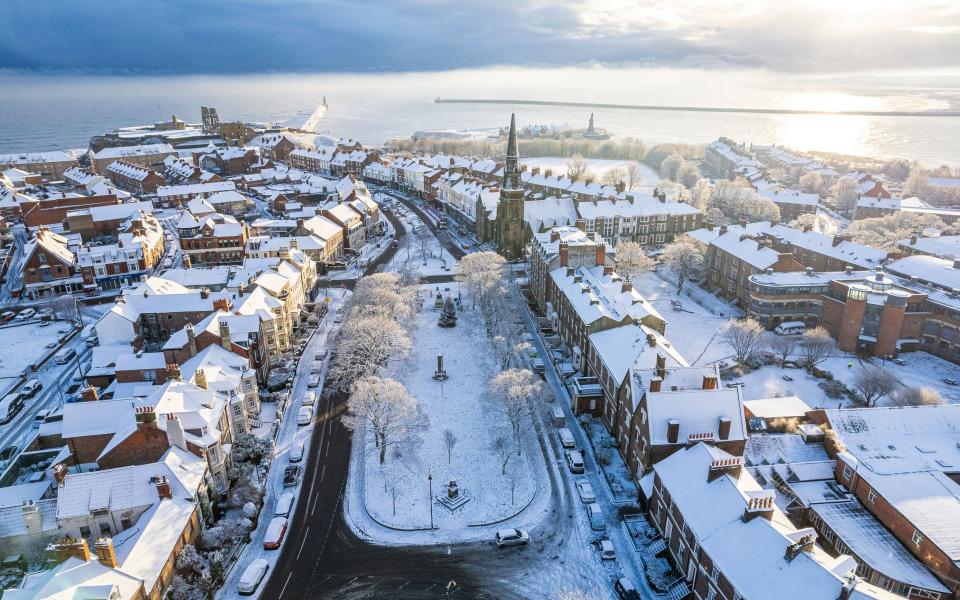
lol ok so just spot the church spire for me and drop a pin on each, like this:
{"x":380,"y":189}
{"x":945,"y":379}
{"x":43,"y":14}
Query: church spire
{"x":511,"y":172}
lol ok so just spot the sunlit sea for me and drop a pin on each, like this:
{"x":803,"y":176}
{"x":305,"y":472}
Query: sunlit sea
{"x":43,"y":112}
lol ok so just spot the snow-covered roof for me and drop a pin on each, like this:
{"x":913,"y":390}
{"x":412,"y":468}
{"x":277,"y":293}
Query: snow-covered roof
{"x":791,"y":197}
{"x":944,"y":182}
{"x":945,"y":246}
{"x":128,"y":170}
{"x":199,"y":278}
{"x":228,"y":197}
{"x":144,"y":360}
{"x":776,"y":408}
{"x":548,"y":242}
{"x":549,"y":212}
{"x":21,"y":158}
{"x":595,"y":294}
{"x":628,"y":347}
{"x":113,"y":212}
{"x":846,"y":250}
{"x":195,"y":188}
{"x":81,"y":419}
{"x":746,"y":249}
{"x":698,"y":411}
{"x":73,"y":579}
{"x":127,"y":151}
{"x":936,"y":271}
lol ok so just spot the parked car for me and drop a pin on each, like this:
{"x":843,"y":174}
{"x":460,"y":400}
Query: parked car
{"x":556,"y":416}
{"x":252,"y":576}
{"x":275,"y":532}
{"x":949,"y":381}
{"x":40,"y":417}
{"x":167,"y":263}
{"x":296,"y":452}
{"x":284,"y":505}
{"x":290,"y":476}
{"x":305,"y":415}
{"x":30,"y":388}
{"x":566,"y":438}
{"x":606,"y":549}
{"x":6,"y":316}
{"x":597,"y":522}
{"x":574,"y":461}
{"x":308,"y":398}
{"x":511,"y":537}
{"x":586,"y":491}
{"x":314,"y":381}
{"x":899,"y":361}
{"x":26,"y":314}
{"x":65,"y":356}
{"x":625,"y":589}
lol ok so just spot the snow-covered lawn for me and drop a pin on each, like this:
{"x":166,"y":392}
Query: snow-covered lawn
{"x":462,"y":406}
{"x":25,"y":345}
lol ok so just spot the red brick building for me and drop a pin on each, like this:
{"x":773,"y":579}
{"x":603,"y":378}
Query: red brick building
{"x":134,"y":178}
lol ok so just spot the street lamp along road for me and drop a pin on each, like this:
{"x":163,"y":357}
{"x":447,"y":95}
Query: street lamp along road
{"x":430,"y":497}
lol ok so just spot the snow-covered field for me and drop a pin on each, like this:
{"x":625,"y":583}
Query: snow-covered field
{"x":25,"y":345}
{"x":461,"y":405}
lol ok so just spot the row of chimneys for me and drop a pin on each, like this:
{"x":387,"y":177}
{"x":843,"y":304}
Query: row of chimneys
{"x":723,"y":431}
{"x":600,"y":258}
{"x":61,"y":550}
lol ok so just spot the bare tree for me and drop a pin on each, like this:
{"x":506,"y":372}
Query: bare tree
{"x":685,"y":258}
{"x":364,"y":346}
{"x":811,"y":183}
{"x":700,"y":194}
{"x":873,"y":383}
{"x":845,"y":193}
{"x":502,"y":444}
{"x":917,"y":184}
{"x":744,"y":338}
{"x":576,"y":168}
{"x":816,"y":346}
{"x":632,"y":260}
{"x":615,"y":177}
{"x":513,"y":389}
{"x":383,"y":405}
{"x":782,"y":346}
{"x":634,"y":177}
{"x":395,"y":477}
{"x":449,"y":441}
{"x":917,"y":396}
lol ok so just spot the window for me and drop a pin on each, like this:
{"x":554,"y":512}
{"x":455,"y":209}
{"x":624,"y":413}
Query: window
{"x":847,"y":473}
{"x":84,"y":531}
{"x":714,"y":573}
{"x":711,"y":593}
{"x":917,"y":538}
{"x":105,"y":529}
{"x":872,"y":496}
{"x":125,"y":522}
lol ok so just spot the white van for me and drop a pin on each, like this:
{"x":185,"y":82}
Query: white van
{"x":566,"y":438}
{"x":574,"y":461}
{"x":252,"y":576}
{"x":284,"y":505}
{"x":308,"y":398}
{"x":790,"y":328}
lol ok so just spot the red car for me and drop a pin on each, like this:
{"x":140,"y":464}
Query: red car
{"x":275,"y":532}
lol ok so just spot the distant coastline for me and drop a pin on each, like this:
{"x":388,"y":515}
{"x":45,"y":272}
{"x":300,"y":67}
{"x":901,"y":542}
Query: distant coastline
{"x":710,"y":109}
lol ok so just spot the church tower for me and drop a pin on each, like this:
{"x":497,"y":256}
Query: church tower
{"x":511,"y":228}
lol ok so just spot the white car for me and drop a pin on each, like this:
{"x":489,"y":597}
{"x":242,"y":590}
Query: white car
{"x":308,"y":398}
{"x":284,"y":505}
{"x":296,"y":452}
{"x":586,"y":492}
{"x":566,"y":438}
{"x":511,"y":537}
{"x":26,"y":314}
{"x":304,"y":416}
{"x":574,"y":461}
{"x":252,"y":576}
{"x":606,"y":549}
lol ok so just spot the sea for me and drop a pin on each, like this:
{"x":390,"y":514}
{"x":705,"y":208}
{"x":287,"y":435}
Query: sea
{"x":59,"y":111}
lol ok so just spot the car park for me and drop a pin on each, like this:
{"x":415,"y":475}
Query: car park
{"x":585,"y":490}
{"x":566,"y":438}
{"x":290,"y":475}
{"x":574,"y":461}
{"x":296,"y":452}
{"x":511,"y":537}
{"x":305,"y":415}
{"x":284,"y":505}
{"x":275,"y":532}
{"x":625,"y":589}
{"x":606,"y":549}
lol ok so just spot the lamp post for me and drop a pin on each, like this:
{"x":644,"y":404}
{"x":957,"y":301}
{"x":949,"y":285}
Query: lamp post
{"x":430,"y":497}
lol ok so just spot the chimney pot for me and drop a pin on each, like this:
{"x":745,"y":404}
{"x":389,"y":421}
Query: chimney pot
{"x":163,"y":487}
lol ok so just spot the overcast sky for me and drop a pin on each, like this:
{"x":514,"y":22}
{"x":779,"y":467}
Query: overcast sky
{"x":236,"y":36}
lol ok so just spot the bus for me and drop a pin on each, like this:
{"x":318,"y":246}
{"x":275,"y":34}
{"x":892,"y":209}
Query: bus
{"x":790,"y":328}
{"x":10,"y":407}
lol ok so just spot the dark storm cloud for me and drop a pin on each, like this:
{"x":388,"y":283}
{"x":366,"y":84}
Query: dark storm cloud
{"x":410,"y":35}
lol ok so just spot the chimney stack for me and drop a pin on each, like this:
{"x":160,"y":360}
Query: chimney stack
{"x":205,"y":293}
{"x":581,"y":224}
{"x":225,"y":335}
{"x":175,"y":434}
{"x":173,"y":372}
{"x":89,"y":394}
{"x":723,"y":229}
{"x":655,"y":383}
{"x":608,"y":269}
{"x":725,"y":466}
{"x":107,"y":556}
{"x":554,"y":235}
{"x":723,"y":430}
{"x":913,"y":240}
{"x":60,"y":474}
{"x":191,"y":340}
{"x":163,"y":487}
{"x":661,"y":362}
{"x":673,"y":431}
{"x":61,"y":550}
{"x":758,"y":506}
{"x":222,"y":304}
{"x":200,"y":379}
{"x":186,"y":260}
{"x":626,"y":287}
{"x":564,"y":254}
{"x":601,"y":254}
{"x":146,"y":417}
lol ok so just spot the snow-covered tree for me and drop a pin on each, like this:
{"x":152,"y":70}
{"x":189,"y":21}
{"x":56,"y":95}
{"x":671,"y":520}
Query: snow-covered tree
{"x":783,"y":346}
{"x":448,"y":316}
{"x":873,"y":383}
{"x":884,"y":232}
{"x":917,"y":184}
{"x":818,"y":222}
{"x":250,"y":510}
{"x":897,"y":169}
{"x":383,"y":405}
{"x":816,"y":346}
{"x":364,"y":346}
{"x":811,"y":183}
{"x":656,"y":155}
{"x":917,"y":396}
{"x":684,"y":257}
{"x":615,"y":176}
{"x":845,"y":193}
{"x":380,"y":294}
{"x":670,"y":166}
{"x":576,"y":168}
{"x":700,"y":194}
{"x":513,"y":390}
{"x":449,"y":441}
{"x":481,"y":273}
{"x":744,"y":337}
{"x":189,"y":562}
{"x":632,"y":260}
{"x":688,"y":174}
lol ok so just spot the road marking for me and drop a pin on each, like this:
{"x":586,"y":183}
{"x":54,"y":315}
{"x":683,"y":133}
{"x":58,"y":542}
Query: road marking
{"x":284,"y":588}
{"x":304,"y":542}
{"x":322,"y":471}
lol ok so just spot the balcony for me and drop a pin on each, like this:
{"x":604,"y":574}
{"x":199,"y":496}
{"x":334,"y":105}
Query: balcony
{"x":586,"y":387}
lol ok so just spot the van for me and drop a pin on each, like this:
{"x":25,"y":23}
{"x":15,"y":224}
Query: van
{"x":574,"y":461}
{"x":308,"y":398}
{"x":252,"y":576}
{"x":556,"y":417}
{"x":597,"y":522}
{"x":284,"y":505}
{"x":275,"y":532}
{"x":566,"y":438}
{"x":790,"y":328}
